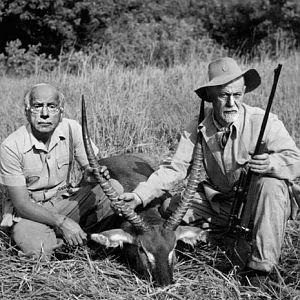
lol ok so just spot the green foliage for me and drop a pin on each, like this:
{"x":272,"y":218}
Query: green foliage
{"x":137,"y":32}
{"x":254,"y":25}
{"x":38,"y":21}
{"x":18,"y":60}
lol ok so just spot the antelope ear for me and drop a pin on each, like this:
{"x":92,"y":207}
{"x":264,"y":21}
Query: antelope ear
{"x":190,"y":235}
{"x":113,"y":238}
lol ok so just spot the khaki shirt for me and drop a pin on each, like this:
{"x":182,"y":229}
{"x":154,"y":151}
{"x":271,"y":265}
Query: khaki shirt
{"x":25,"y":161}
{"x":223,"y":166}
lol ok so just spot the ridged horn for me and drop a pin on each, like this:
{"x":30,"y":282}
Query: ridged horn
{"x":119,"y":205}
{"x":194,"y":179}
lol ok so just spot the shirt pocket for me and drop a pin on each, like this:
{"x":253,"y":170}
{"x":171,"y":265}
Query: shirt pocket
{"x":242,"y":156}
{"x":242,"y":159}
{"x":63,"y":162}
{"x":32,"y":175}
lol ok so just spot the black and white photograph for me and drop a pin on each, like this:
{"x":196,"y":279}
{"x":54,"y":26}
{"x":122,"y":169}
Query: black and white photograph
{"x":150,"y":150}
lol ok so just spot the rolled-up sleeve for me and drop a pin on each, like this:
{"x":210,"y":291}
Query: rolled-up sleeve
{"x":11,"y":173}
{"x":284,"y":154}
{"x":170,"y":171}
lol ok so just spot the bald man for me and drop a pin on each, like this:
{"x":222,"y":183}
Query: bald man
{"x":35,"y":165}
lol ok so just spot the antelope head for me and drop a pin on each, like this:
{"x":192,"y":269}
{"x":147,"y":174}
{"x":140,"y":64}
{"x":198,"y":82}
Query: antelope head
{"x":151,"y":253}
{"x":148,"y":241}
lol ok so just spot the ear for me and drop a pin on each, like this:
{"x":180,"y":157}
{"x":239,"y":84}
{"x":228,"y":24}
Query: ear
{"x":191,"y":235}
{"x":27,"y":114}
{"x":61,"y":109}
{"x":113,"y":238}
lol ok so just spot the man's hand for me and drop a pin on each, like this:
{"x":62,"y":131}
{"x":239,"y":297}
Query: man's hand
{"x":260,"y":163}
{"x":132,"y":199}
{"x":89,"y":174}
{"x":72,"y":232}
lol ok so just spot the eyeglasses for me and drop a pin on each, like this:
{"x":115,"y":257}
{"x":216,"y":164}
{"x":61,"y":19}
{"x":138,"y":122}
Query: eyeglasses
{"x":37,"y":108}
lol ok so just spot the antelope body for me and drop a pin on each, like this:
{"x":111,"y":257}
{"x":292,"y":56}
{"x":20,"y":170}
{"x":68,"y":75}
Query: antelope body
{"x":147,"y":239}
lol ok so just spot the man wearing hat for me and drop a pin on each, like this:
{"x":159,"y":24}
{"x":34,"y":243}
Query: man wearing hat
{"x":229,"y":134}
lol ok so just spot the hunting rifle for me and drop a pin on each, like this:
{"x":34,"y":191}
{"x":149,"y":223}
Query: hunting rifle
{"x":240,"y":215}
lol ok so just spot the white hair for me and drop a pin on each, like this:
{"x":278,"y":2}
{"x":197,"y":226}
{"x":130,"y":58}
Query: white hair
{"x":28,"y":95}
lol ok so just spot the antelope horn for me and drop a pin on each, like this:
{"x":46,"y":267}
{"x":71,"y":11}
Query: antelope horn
{"x":194,"y":179}
{"x":117,"y":204}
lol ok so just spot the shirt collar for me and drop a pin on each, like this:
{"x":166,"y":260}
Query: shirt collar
{"x":31,"y":141}
{"x":217,"y":124}
{"x":207,"y":122}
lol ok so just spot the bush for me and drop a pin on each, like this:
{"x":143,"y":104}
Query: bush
{"x":247,"y":27}
{"x":59,"y":33}
{"x":163,"y":44}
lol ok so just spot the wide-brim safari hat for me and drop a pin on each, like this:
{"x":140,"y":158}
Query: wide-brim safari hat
{"x":224,"y":70}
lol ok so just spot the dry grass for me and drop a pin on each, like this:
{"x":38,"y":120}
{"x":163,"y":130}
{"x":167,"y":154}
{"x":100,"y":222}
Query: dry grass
{"x":86,"y":273}
{"x":144,"y":111}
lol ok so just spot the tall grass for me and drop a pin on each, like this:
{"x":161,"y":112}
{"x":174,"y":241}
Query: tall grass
{"x":144,"y":110}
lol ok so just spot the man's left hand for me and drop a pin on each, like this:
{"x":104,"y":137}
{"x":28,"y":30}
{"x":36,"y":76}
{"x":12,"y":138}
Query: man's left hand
{"x":89,"y":174}
{"x":260,"y":163}
{"x":132,"y":199}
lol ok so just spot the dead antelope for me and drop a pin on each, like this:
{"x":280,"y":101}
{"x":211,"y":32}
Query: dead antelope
{"x":147,"y":239}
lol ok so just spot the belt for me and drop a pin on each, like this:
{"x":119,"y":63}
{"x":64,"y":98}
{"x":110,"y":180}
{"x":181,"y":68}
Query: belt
{"x":40,"y":196}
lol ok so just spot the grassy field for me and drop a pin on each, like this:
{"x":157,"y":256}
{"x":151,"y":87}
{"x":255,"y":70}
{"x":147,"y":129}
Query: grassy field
{"x":144,"y":110}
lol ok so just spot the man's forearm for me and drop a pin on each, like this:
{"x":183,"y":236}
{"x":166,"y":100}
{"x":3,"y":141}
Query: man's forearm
{"x":40,"y":214}
{"x":30,"y":210}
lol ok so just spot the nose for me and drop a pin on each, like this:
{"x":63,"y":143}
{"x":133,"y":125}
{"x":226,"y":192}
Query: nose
{"x":44,"y":112}
{"x":230,"y":101}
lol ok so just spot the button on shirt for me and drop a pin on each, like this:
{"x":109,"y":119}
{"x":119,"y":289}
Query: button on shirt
{"x":25,"y":161}
{"x":223,"y":166}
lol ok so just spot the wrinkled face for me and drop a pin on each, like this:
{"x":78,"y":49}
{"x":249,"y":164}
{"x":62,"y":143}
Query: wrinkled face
{"x":44,"y":112}
{"x":227,"y":100}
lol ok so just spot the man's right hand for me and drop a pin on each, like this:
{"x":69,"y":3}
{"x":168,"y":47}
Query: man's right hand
{"x":132,"y":199}
{"x":72,"y":232}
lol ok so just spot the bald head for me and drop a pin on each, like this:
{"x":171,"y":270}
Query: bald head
{"x":43,"y":91}
{"x":43,"y":109}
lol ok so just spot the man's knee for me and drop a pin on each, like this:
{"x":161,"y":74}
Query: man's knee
{"x":271,"y":183}
{"x":272,"y":188}
{"x":35,"y":239}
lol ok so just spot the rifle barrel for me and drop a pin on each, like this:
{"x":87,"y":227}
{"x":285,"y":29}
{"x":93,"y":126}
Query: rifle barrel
{"x":270,"y":102}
